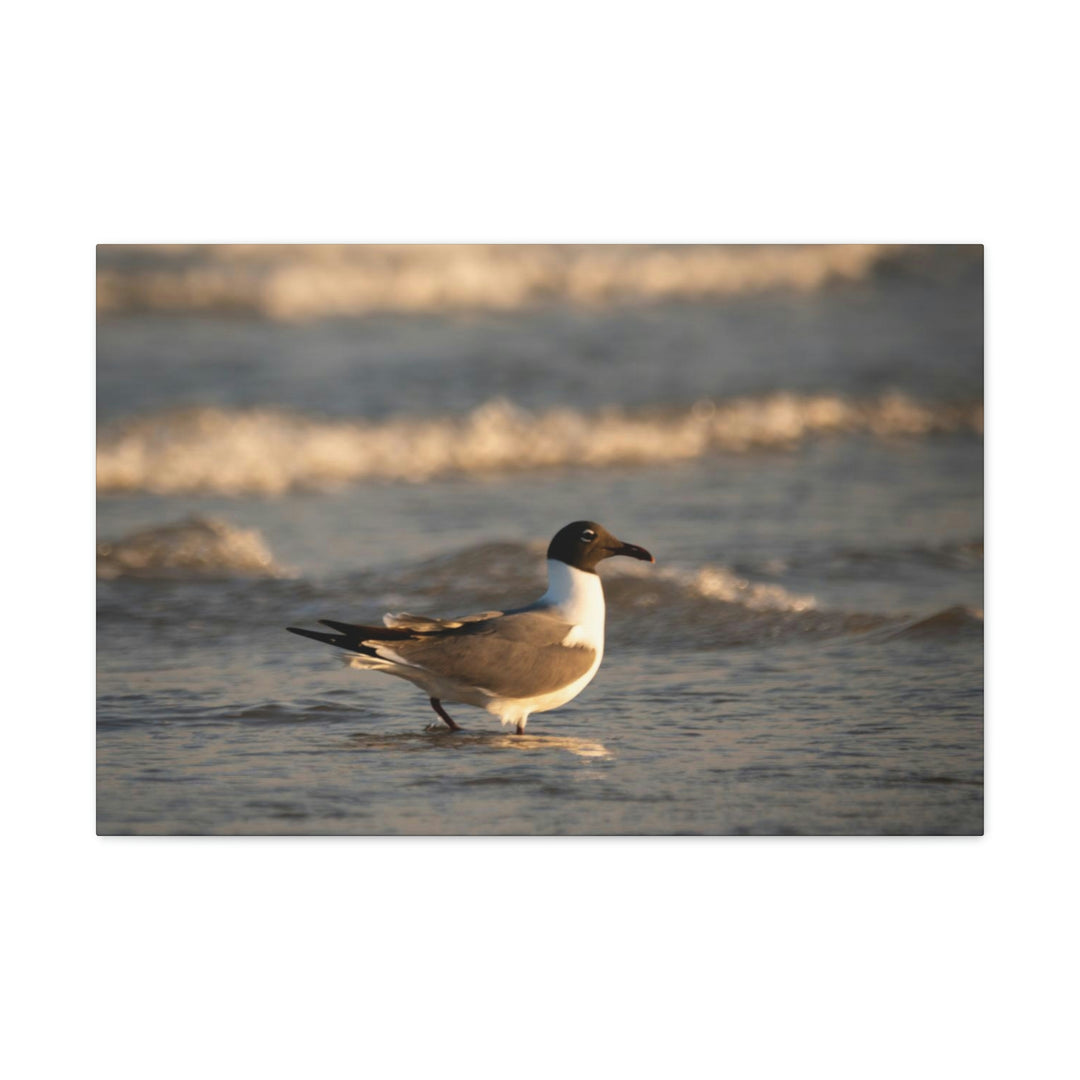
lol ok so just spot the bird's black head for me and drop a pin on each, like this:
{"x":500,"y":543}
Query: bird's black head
{"x":582,"y":544}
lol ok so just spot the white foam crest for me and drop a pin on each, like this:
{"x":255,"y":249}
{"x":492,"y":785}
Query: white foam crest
{"x":298,"y":281}
{"x":719,"y":583}
{"x":270,"y":451}
{"x":197,"y":547}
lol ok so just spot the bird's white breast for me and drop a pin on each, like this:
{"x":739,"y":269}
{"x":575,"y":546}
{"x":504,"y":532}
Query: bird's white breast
{"x":578,"y":597}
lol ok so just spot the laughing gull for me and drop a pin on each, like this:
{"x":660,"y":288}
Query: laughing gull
{"x":511,"y":663}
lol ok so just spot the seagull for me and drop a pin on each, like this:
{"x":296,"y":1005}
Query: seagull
{"x":511,"y":663}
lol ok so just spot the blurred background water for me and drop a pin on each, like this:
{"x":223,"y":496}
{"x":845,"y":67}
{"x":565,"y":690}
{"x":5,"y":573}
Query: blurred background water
{"x":289,"y":432}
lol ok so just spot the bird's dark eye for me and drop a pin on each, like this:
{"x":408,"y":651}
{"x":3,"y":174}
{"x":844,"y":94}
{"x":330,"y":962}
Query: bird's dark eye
{"x":588,"y":536}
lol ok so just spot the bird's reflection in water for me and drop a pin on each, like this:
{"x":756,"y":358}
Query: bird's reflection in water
{"x":443,"y":739}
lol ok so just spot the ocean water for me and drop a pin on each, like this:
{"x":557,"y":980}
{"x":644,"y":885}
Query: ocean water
{"x":294,"y":434}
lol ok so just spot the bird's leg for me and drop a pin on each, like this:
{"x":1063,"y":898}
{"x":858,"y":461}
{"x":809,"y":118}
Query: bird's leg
{"x":521,"y":727}
{"x":436,"y":704}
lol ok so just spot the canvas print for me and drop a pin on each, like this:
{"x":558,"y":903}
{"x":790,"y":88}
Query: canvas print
{"x":540,"y":539}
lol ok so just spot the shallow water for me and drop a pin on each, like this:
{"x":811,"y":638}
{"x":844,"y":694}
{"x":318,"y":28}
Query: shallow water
{"x":806,"y":657}
{"x":801,"y":740}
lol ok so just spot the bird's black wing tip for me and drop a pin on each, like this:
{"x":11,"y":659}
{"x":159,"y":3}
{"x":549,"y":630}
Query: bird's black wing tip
{"x":316,"y":635}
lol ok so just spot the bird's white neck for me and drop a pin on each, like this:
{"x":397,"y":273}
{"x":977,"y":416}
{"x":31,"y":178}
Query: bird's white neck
{"x":578,"y":596}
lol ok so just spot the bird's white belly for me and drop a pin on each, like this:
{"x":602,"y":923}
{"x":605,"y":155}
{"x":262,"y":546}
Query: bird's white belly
{"x":516,"y":710}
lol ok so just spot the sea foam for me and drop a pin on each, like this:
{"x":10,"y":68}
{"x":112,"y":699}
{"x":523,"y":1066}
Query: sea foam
{"x":269,"y":451}
{"x":299,"y":281}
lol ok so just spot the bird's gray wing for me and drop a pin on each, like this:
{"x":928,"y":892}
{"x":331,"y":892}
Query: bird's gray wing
{"x":518,"y":655}
{"x":426,"y":624}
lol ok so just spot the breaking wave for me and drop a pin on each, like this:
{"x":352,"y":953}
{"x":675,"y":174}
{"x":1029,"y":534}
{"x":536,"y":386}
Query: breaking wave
{"x":198,"y":547}
{"x":691,"y":607}
{"x":298,"y":281}
{"x":948,"y":623}
{"x":270,"y":451}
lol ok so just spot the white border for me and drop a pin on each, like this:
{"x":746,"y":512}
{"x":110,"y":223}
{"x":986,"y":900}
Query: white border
{"x":586,"y":122}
